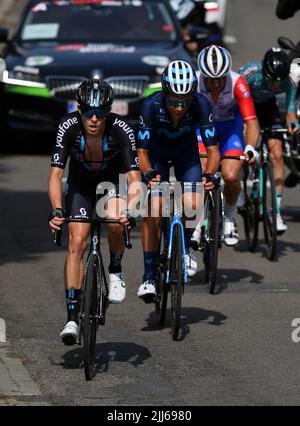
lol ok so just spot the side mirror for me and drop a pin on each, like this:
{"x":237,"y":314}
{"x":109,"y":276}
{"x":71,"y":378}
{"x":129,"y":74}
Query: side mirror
{"x":3,"y":35}
{"x":286,"y":44}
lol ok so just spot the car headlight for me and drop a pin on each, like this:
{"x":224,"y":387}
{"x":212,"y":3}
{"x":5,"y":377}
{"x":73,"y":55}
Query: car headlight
{"x":18,"y":78}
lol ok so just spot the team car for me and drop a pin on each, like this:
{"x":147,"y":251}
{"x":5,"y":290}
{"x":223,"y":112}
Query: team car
{"x":60,"y":43}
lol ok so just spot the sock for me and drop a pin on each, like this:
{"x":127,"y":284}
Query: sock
{"x":115,"y":263}
{"x":149,"y":265}
{"x":278,"y":201}
{"x":188,"y":233}
{"x":229,"y":211}
{"x":72,"y":302}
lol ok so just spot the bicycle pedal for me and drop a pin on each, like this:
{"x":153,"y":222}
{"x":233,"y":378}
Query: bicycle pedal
{"x":69,"y":340}
{"x":149,"y":298}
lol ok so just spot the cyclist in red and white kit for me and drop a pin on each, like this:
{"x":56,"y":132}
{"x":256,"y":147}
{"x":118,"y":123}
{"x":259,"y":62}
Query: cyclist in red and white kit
{"x":234,"y":114}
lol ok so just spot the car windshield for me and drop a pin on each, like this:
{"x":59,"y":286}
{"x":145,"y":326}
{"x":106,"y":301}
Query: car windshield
{"x":98,"y":21}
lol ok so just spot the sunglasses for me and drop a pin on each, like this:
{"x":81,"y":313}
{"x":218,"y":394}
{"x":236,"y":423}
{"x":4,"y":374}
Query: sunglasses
{"x":175,"y":103}
{"x":98,"y":112}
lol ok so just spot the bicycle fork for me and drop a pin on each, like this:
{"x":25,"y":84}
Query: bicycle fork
{"x":175,"y":220}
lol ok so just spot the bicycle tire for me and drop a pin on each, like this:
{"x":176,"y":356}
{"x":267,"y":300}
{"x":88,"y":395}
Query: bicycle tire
{"x":250,"y":214}
{"x":269,"y":211}
{"x":211,"y":247}
{"x":176,"y":274}
{"x":90,"y":311}
{"x":164,"y":289}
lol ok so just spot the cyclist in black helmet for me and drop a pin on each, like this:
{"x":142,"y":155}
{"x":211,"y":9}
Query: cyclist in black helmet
{"x":168,"y":124}
{"x":266,"y":80}
{"x":101,"y":146}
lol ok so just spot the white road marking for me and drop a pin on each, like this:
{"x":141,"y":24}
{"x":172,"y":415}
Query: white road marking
{"x":2,"y":331}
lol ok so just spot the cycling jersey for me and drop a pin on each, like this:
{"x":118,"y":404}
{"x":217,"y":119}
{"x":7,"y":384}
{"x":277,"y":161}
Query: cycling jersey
{"x":260,"y":90}
{"x":118,"y":155}
{"x":233,"y":107}
{"x":235,"y":98}
{"x":177,"y":145}
{"x":156,"y":127}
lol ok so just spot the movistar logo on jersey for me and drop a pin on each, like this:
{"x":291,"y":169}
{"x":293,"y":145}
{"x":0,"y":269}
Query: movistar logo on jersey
{"x":210,"y":133}
{"x":142,"y":135}
{"x":174,"y":135}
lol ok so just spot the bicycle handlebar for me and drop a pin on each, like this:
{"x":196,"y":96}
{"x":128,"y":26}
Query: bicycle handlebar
{"x":276,"y":130}
{"x":57,"y":234}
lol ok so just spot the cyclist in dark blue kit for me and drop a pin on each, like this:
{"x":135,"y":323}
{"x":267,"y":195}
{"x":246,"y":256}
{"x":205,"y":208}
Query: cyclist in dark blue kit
{"x":167,"y":133}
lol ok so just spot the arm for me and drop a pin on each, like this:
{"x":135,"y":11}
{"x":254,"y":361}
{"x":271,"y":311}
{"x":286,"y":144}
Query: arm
{"x":134,"y":189}
{"x":291,"y":116}
{"x":213,"y":159}
{"x":143,"y":155}
{"x":55,"y":195}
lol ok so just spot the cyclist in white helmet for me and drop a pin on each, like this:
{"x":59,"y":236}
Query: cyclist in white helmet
{"x":167,"y":133}
{"x":230,"y":99}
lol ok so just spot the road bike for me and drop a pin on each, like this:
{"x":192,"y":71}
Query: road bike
{"x":171,"y":268}
{"x":260,"y":197}
{"x":94,"y":300}
{"x":212,"y":229}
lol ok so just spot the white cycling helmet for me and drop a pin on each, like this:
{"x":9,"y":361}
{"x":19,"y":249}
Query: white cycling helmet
{"x":179,"y":79}
{"x":214,"y":61}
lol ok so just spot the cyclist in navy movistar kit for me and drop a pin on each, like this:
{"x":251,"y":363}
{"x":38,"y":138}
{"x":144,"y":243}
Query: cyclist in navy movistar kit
{"x":101,"y":145}
{"x":167,"y":133}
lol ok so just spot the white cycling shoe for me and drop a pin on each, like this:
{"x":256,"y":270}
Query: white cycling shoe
{"x":147,"y":291}
{"x":231,"y":237}
{"x":69,"y":333}
{"x":117,"y":288}
{"x":280,"y":224}
{"x":190,"y":262}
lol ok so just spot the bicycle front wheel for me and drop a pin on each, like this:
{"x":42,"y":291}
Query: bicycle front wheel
{"x":269,"y":211}
{"x":250,"y":213}
{"x":211,"y":245}
{"x":90,"y":316}
{"x":176,"y":274}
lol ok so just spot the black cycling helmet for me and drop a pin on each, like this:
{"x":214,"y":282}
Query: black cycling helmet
{"x":276,"y":64}
{"x":95,"y":94}
{"x":179,"y":79}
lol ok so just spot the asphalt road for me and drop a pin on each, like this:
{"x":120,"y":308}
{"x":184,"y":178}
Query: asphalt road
{"x":236,"y":347}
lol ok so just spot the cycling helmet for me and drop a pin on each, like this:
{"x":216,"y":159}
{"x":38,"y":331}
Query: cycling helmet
{"x":179,"y":79}
{"x":276,"y":64}
{"x":95,"y":94}
{"x":214,"y":61}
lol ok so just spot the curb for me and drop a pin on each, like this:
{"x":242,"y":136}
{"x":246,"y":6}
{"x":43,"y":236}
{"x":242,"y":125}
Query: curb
{"x":16,"y":385}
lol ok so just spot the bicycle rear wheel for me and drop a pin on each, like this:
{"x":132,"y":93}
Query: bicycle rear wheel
{"x":211,"y":245}
{"x":250,"y":212}
{"x":269,"y":211}
{"x":176,"y":274}
{"x":90,"y":318}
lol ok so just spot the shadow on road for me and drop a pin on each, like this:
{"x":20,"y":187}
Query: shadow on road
{"x":25,"y":234}
{"x":227,"y":276}
{"x":127,"y":352}
{"x":283,"y":248}
{"x":188,"y":316}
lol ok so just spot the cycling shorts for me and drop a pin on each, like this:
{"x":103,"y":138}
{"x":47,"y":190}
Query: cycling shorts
{"x":80,"y":201}
{"x":268,"y":113}
{"x":231,"y":137}
{"x":183,"y":155}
